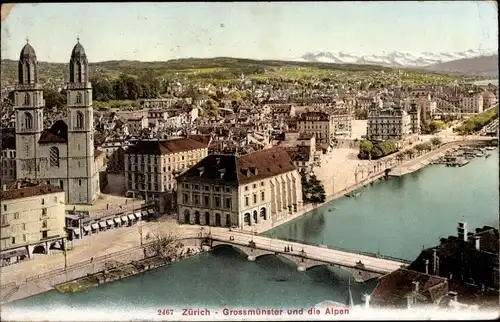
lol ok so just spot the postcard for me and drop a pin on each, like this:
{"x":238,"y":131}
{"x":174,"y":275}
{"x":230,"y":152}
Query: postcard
{"x":238,"y":161}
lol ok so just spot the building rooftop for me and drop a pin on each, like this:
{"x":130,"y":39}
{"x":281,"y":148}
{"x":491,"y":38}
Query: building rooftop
{"x":165,"y":146}
{"x":27,"y":190}
{"x":237,"y":170}
{"x":58,"y":133}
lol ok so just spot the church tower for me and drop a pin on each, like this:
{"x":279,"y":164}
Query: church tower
{"x":28,"y":106}
{"x":83,"y":178}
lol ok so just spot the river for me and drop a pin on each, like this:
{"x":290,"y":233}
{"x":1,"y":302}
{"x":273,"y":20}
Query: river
{"x":395,"y":216}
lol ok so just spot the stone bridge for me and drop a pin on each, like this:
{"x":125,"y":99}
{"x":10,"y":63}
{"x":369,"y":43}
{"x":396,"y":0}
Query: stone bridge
{"x":362,"y":267}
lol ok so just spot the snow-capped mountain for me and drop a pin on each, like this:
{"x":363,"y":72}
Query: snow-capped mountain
{"x":395,"y":58}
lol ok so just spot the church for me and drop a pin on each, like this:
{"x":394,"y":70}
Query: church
{"x":62,"y":155}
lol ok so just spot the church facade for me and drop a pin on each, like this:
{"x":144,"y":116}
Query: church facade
{"x":62,"y":155}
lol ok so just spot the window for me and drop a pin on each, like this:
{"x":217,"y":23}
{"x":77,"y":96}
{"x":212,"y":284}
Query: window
{"x":16,"y":215}
{"x":207,"y":188}
{"x":216,"y":188}
{"x":13,"y":241}
{"x":217,"y":201}
{"x":44,"y":224}
{"x":24,"y":227}
{"x":24,"y":238}
{"x":78,"y":98}
{"x":254,"y":198}
{"x":227,"y":203}
{"x":80,"y":182}
{"x":246,"y":188}
{"x":4,"y":220}
{"x":79,"y":120}
{"x":206,"y":201}
{"x":262,"y":196}
{"x":227,"y":189}
{"x":54,"y":157}
{"x":27,"y":99}
{"x":28,"y":120}
{"x":4,"y":207}
{"x":43,"y":201}
{"x":262,"y":184}
{"x":246,"y":201}
{"x":44,"y":211}
{"x":254,"y":186}
{"x":61,"y":184}
{"x":186,"y":198}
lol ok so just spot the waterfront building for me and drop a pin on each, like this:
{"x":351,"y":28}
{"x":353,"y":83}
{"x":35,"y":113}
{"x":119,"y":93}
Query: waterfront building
{"x":240,"y":191}
{"x":319,"y":124}
{"x":64,"y":154}
{"x":32,"y":220}
{"x":391,"y":123}
{"x":8,"y":157}
{"x":414,"y":113}
{"x":471,"y":103}
{"x":151,"y":167}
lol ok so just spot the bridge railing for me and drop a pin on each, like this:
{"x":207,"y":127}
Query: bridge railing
{"x":376,"y":255}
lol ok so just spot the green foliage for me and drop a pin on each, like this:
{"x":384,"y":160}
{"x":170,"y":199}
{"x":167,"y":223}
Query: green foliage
{"x":313,"y":190}
{"x":210,"y":108}
{"x":54,"y":98}
{"x":436,"y":141}
{"x":477,"y":122}
{"x":365,"y":147}
{"x":368,"y":150}
{"x":435,"y":126}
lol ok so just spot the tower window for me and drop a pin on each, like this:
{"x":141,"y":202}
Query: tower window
{"x":28,"y":120}
{"x":79,"y":120}
{"x":54,"y":157}
{"x":78,"y":98}
{"x":26,"y":99}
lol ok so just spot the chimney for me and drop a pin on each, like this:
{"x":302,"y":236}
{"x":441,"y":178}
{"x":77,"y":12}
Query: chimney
{"x":222,"y":172}
{"x":477,"y":241}
{"x":248,"y":172}
{"x":462,"y":231}
{"x":426,"y":266}
{"x":19,"y":185}
{"x":200,"y":170}
{"x":367,"y":301}
{"x":255,"y":171}
{"x":409,"y":300}
{"x":453,"y":296}
{"x":415,"y":286}
{"x":4,"y":187}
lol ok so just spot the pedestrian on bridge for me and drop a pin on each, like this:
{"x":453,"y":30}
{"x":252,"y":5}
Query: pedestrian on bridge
{"x":291,"y":248}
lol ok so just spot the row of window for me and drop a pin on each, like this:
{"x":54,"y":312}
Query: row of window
{"x":17,"y":216}
{"x":150,"y":187}
{"x":247,"y":198}
{"x":196,"y":201}
{"x":9,"y":154}
{"x":144,"y":158}
{"x":195,"y":187}
{"x":28,"y":120}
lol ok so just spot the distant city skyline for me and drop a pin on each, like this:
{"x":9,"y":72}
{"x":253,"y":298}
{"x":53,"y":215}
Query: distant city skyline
{"x":164,"y":31}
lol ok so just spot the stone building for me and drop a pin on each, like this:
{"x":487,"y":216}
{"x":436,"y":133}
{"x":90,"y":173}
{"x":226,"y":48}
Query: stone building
{"x":318,"y":123}
{"x":342,"y":121}
{"x":64,"y":154}
{"x":489,"y":99}
{"x":391,"y":123}
{"x":32,"y":220}
{"x":240,"y":191}
{"x":414,"y":113}
{"x":151,"y":167}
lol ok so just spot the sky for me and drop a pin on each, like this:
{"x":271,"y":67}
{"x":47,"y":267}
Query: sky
{"x":258,"y":30}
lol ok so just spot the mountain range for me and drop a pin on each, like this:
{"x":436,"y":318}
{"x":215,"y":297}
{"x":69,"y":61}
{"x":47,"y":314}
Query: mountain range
{"x":395,"y":58}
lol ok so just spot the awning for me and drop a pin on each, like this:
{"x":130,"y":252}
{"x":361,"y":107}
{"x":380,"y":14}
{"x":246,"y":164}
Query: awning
{"x":15,"y":252}
{"x":138,"y":215}
{"x":95,"y":226}
{"x":151,"y":211}
{"x":144,"y":213}
{"x":124,"y":218}
{"x":117,"y":220}
{"x":131,"y":217}
{"x":102,"y":224}
{"x":109,"y":222}
{"x":76,"y":231}
{"x":86,"y":228}
{"x":73,"y":217}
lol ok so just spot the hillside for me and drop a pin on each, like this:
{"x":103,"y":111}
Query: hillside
{"x":213,"y":69}
{"x":481,"y":66}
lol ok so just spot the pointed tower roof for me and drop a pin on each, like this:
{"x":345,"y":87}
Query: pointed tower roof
{"x":27,"y":52}
{"x":78,"y":50}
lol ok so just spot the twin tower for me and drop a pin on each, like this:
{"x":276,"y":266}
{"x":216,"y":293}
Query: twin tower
{"x":64,"y":154}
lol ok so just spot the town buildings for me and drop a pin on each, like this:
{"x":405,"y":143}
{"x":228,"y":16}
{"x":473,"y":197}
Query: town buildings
{"x":391,"y":123}
{"x":32,"y":220}
{"x":64,"y":154}
{"x":151,"y":167}
{"x":318,"y":123}
{"x":239,"y":191}
{"x":8,"y":157}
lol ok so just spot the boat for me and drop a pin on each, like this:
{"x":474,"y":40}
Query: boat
{"x":488,"y":155}
{"x":490,"y":148}
{"x":479,"y":155}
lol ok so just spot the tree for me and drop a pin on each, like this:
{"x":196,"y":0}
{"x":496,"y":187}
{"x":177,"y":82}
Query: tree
{"x":435,"y":126}
{"x":165,"y":244}
{"x":436,"y":141}
{"x":313,"y":190}
{"x":365,"y":148}
{"x":54,"y":98}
